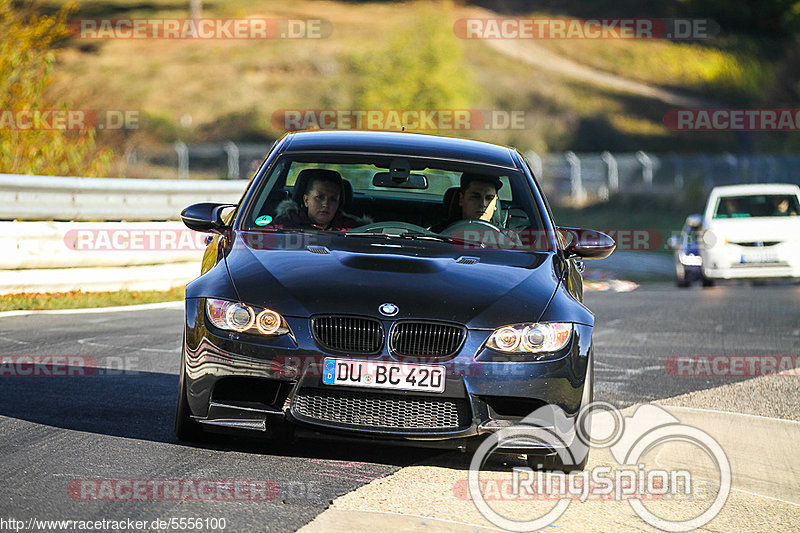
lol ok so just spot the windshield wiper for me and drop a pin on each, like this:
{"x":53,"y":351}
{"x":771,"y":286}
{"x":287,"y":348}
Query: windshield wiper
{"x":312,"y":231}
{"x":417,"y":236}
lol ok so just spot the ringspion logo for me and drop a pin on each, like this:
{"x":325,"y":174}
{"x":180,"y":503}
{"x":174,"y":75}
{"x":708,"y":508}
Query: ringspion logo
{"x":630,"y":439}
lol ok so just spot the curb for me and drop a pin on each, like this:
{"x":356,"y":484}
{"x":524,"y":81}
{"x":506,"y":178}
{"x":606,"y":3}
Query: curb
{"x":91,"y":310}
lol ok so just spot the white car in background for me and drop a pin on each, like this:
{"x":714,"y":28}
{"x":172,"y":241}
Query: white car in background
{"x":751,"y":231}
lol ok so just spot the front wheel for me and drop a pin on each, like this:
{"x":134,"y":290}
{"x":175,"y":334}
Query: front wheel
{"x":580,"y":448}
{"x":553,"y":463}
{"x":186,"y":429}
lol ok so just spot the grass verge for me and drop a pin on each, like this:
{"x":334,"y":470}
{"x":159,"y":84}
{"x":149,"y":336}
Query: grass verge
{"x":83,"y":300}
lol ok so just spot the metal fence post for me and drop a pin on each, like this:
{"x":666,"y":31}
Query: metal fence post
{"x":233,"y":160}
{"x":536,"y":162}
{"x":576,"y":181}
{"x":612,"y":170}
{"x":677,"y":162}
{"x":709,"y":177}
{"x":183,"y":159}
{"x":733,"y":161}
{"x":647,"y":168}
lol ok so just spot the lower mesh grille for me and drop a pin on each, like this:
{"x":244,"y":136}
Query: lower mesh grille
{"x":381,"y":411}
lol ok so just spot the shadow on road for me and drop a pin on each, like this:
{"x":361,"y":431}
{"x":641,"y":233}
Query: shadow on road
{"x":141,"y":406}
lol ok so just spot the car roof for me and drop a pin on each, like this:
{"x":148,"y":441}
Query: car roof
{"x":755,"y":188}
{"x":400,"y":144}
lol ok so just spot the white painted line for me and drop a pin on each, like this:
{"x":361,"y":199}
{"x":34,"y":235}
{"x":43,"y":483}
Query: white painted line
{"x":763,"y":496}
{"x":667,"y":406}
{"x":91,"y":310}
{"x":15,"y":341}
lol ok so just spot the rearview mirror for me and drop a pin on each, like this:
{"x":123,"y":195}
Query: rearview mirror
{"x":410,"y":181}
{"x":205,"y":217}
{"x":588,"y":243}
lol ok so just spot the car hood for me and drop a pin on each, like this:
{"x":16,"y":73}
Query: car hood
{"x":354,"y":275}
{"x":756,"y":229}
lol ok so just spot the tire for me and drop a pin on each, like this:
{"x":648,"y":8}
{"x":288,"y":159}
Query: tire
{"x":552,"y":462}
{"x":707,"y":282}
{"x":682,"y":283}
{"x":186,"y":429}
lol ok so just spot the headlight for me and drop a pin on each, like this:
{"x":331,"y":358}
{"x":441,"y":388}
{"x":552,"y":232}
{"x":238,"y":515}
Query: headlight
{"x":235,"y":316}
{"x":709,"y":238}
{"x":531,"y":338}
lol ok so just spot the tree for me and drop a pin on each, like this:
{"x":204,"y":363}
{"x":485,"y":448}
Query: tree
{"x":27,"y":57}
{"x":421,"y":67}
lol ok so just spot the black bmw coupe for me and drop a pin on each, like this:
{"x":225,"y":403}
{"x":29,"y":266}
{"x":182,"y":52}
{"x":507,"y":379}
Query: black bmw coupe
{"x":385,"y":285}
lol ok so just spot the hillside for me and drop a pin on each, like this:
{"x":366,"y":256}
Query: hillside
{"x":377,"y":56}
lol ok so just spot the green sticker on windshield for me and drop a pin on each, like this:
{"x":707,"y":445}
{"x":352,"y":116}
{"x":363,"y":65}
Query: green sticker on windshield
{"x":263,"y":220}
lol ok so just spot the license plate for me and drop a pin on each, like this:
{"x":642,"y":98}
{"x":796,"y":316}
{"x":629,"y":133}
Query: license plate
{"x":383,"y":375}
{"x":759,"y":257}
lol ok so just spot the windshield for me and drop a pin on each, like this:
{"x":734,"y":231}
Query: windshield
{"x":407,"y":198}
{"x":757,"y":205}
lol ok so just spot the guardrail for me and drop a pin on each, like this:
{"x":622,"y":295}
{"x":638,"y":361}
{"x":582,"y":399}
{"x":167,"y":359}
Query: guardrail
{"x":33,"y":245}
{"x":25,"y":197}
{"x":599,"y":176}
{"x":97,"y":256}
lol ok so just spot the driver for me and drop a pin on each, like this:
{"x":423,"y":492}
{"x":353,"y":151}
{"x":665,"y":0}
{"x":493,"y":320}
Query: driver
{"x":477,"y":200}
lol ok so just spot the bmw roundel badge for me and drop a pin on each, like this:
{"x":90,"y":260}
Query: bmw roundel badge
{"x":388,"y":309}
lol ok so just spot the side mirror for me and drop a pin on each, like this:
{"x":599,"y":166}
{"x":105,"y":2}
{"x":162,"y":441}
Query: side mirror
{"x":674,"y":242}
{"x":588,"y":243}
{"x":694,"y":221}
{"x":205,"y":217}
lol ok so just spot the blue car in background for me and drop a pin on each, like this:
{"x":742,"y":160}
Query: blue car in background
{"x":688,"y":262}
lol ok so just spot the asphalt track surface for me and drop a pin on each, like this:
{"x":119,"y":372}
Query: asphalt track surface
{"x":116,"y":424}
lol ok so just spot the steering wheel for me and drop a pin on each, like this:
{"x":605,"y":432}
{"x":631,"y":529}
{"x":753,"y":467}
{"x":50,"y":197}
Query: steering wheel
{"x":463,"y":225}
{"x":504,"y":239}
{"x":379,"y":227}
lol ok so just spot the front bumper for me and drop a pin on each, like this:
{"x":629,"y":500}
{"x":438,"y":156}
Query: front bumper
{"x":732,"y":261}
{"x":259,"y":386}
